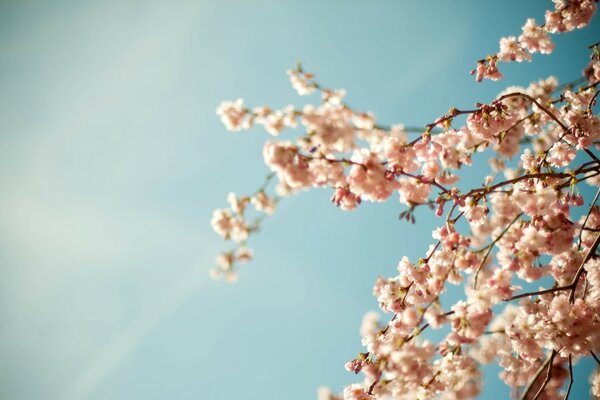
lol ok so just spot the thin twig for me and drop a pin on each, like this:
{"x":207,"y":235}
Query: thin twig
{"x":421,"y":329}
{"x":588,"y":256}
{"x":573,"y":285}
{"x":591,"y":103}
{"x":595,"y":357}
{"x":588,"y":216}
{"x":536,"y":376}
{"x":548,"y":376}
{"x":375,"y":382}
{"x":550,"y":114}
{"x":491,"y":246}
{"x":570,"y":379}
{"x":539,"y":292}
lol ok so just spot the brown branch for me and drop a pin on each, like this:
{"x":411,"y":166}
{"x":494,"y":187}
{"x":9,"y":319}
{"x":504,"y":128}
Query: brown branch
{"x":375,"y":382}
{"x":534,"y":101}
{"x":537,"y":375}
{"x":590,"y":229}
{"x":573,"y":285}
{"x":570,"y":379}
{"x":491,"y":246}
{"x":591,"y":103}
{"x":419,"y":178}
{"x":578,"y":180}
{"x":421,"y":329}
{"x":424,"y":180}
{"x":595,"y":357}
{"x":549,"y":113}
{"x":432,"y":379}
{"x":587,"y":217}
{"x":539,"y":292}
{"x":449,"y":116}
{"x":581,"y":269}
{"x":437,"y":245}
{"x":531,"y":176}
{"x":548,"y":376}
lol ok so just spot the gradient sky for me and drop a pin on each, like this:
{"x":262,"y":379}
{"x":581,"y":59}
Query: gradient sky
{"x":112,"y":160}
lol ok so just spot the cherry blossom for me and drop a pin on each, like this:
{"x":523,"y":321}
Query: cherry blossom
{"x":567,"y":15}
{"x":535,"y":38}
{"x":522,"y":245}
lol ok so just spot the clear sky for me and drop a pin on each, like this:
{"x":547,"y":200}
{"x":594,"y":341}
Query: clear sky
{"x":112,"y":160}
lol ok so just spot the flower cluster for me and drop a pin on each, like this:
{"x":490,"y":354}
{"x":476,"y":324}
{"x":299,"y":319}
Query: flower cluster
{"x":566,"y":16}
{"x":234,"y":225}
{"x":525,"y":225}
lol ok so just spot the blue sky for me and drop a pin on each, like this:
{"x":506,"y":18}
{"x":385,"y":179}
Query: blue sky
{"x":112,"y":160}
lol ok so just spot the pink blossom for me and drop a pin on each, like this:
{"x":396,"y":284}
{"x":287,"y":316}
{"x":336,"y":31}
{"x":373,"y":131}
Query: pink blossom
{"x":356,"y":392}
{"x":561,"y":155}
{"x":234,"y":116}
{"x":570,"y":15}
{"x":302,"y":82}
{"x":511,"y":50}
{"x":535,"y":39}
{"x":263,"y":203}
{"x":412,"y":191}
{"x":490,"y":120}
{"x":595,"y":381}
{"x":368,"y":178}
{"x":345,"y":199}
{"x":487,"y":69}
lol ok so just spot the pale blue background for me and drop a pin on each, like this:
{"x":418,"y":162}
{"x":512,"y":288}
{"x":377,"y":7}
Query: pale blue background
{"x":112,"y":159}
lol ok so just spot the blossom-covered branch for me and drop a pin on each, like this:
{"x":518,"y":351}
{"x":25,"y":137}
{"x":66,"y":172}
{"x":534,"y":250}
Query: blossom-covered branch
{"x":519,"y":226}
{"x":567,"y":15}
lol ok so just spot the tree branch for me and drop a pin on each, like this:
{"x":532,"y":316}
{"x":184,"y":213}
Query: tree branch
{"x":570,"y":379}
{"x":547,"y":363}
{"x":588,"y":216}
{"x":573,"y":285}
{"x":490,"y":246}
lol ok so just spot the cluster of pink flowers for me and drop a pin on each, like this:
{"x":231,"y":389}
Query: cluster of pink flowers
{"x":524,"y":224}
{"x":566,"y":16}
{"x":234,"y":225}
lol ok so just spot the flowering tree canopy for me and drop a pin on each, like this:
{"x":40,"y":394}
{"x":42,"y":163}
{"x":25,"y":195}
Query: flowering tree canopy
{"x":517,"y":228}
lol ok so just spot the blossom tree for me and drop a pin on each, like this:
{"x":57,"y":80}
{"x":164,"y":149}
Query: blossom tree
{"x":517,"y":228}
